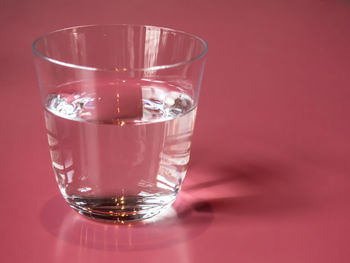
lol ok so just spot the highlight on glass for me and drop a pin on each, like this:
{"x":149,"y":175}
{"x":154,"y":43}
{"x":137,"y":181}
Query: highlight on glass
{"x":120,"y":103}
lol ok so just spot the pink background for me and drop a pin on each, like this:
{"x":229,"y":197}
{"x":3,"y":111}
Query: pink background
{"x":269,"y":180}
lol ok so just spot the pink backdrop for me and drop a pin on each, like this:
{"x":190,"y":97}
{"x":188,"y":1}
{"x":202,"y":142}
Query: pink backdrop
{"x":269,"y":180}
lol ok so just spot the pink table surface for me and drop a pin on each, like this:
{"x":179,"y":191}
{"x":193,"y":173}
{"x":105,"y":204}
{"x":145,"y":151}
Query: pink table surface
{"x":269,"y":178}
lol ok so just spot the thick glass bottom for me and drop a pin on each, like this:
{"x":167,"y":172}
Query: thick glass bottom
{"x":120,"y":209}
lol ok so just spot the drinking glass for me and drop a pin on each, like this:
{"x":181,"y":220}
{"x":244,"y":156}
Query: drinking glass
{"x":120,"y":104}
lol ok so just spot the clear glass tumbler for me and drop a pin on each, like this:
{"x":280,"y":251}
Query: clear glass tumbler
{"x":120,"y":104}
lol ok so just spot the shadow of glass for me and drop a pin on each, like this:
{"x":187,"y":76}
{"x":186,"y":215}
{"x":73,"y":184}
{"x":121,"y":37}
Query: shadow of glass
{"x":250,"y":189}
{"x":181,"y":222}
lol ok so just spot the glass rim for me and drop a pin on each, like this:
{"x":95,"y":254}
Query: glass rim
{"x":77,"y":66}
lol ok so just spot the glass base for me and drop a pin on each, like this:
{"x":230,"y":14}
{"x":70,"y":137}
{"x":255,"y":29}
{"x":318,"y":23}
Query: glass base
{"x":120,"y":209}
